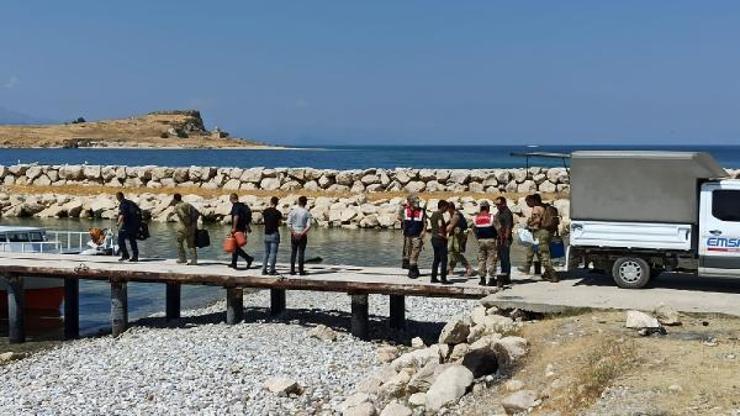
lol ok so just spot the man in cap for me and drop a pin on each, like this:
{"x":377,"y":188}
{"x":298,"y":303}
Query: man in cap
{"x":413,"y":223}
{"x":485,"y":232}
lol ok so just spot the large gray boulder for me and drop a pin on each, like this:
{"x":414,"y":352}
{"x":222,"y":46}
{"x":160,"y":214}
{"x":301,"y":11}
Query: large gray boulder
{"x":33,"y":172}
{"x":92,"y":172}
{"x":520,"y":401}
{"x":640,"y":320}
{"x":456,"y":330}
{"x":357,"y":404}
{"x":270,"y":184}
{"x":459,"y":177}
{"x":394,"y":408}
{"x":71,"y":172}
{"x":396,"y":385}
{"x":509,"y":350}
{"x":283,"y":386}
{"x":426,"y":376}
{"x":666,"y":315}
{"x":417,"y":358}
{"x":449,"y":387}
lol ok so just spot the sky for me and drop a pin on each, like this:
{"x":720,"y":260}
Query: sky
{"x":386,"y":72}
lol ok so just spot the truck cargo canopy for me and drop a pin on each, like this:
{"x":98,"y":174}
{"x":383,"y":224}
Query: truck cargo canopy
{"x":639,"y":186}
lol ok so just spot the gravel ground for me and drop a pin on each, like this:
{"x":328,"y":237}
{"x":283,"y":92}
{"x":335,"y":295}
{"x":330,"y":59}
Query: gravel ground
{"x":202,"y":366}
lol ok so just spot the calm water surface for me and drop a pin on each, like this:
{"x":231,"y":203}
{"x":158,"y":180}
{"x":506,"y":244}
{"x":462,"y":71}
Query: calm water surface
{"x":358,"y":157}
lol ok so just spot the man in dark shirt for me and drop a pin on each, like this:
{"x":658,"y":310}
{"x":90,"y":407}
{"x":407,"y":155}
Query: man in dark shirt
{"x":504,"y":221}
{"x":241,"y":217}
{"x":272,"y":218}
{"x":439,"y":243}
{"x":128,"y":221}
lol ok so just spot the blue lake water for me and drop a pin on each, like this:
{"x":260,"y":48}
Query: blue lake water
{"x":335,"y":157}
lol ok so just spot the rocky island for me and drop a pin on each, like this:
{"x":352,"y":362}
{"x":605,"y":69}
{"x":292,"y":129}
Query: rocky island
{"x":180,"y":129}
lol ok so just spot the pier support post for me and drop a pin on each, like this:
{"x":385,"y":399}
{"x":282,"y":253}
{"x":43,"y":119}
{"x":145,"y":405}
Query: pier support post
{"x":360,"y":320}
{"x":118,"y":307}
{"x":234,"y":305}
{"x":16,"y":310}
{"x":71,"y":308}
{"x":277,"y":301}
{"x":397,"y":311}
{"x":173,"y":301}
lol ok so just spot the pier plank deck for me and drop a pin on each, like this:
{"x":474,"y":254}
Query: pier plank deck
{"x":333,"y":278}
{"x":358,"y":282}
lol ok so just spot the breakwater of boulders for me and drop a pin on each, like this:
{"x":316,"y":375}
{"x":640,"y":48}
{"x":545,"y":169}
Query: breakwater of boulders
{"x":534,"y":179}
{"x":351,"y":212}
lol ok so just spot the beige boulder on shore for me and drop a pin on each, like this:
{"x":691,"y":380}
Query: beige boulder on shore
{"x":449,"y":387}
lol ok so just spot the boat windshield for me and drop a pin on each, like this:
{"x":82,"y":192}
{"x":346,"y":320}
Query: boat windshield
{"x":24,"y":237}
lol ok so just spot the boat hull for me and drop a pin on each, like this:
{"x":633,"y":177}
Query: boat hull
{"x":42,"y":296}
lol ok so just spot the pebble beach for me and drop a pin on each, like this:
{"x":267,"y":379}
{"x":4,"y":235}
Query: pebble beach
{"x":203,"y":366}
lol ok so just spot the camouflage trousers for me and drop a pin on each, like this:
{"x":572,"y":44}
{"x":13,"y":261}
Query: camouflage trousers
{"x":487,"y":257}
{"x":544,"y":238}
{"x":185,"y":237}
{"x":412,"y":249}
{"x":456,"y":248}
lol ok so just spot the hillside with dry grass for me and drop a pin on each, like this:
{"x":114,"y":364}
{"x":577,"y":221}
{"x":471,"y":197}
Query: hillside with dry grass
{"x":165,"y":129}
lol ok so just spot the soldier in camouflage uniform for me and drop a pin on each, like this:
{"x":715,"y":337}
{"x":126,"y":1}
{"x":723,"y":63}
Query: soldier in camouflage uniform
{"x":187,"y":225}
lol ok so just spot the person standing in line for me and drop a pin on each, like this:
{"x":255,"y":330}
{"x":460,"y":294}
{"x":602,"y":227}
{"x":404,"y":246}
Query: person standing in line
{"x":504,"y":221}
{"x":187,"y":225}
{"x":241,"y":218}
{"x":485,"y":233}
{"x":414,"y":227}
{"x":458,"y":230}
{"x":299,"y":223}
{"x":410,"y":200}
{"x":272,"y":218}
{"x":539,"y":223}
{"x":439,"y":243}
{"x":129,"y":221}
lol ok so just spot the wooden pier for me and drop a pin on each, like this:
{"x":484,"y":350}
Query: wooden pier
{"x":358,"y":282}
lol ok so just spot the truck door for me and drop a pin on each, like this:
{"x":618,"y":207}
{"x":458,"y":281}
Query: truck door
{"x":719,"y":229}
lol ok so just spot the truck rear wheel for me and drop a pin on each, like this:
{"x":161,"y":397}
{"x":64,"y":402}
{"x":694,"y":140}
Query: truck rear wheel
{"x":631,"y":272}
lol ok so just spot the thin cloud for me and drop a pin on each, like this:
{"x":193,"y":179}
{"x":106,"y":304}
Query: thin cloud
{"x":12,"y":82}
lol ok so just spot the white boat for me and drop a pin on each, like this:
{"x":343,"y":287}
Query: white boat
{"x":44,"y":294}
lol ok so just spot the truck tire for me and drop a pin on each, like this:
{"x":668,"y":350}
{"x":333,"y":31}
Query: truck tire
{"x":631,"y":272}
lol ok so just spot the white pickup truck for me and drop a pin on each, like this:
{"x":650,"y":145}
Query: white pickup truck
{"x":637,"y":214}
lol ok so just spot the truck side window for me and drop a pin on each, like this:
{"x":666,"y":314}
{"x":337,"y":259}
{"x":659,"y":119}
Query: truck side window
{"x":726,"y":205}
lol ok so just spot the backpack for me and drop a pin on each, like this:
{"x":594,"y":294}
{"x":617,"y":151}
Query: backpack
{"x":550,"y":218}
{"x":245,"y":213}
{"x":463,"y":223}
{"x":142,"y":228}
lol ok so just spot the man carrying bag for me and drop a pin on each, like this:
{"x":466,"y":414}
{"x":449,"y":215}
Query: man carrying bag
{"x":187,"y":227}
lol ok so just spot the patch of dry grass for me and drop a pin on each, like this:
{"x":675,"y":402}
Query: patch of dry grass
{"x":601,"y":363}
{"x":677,"y":374}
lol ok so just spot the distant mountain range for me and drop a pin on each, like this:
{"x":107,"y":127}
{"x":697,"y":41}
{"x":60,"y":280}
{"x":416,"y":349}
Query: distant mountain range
{"x":12,"y":117}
